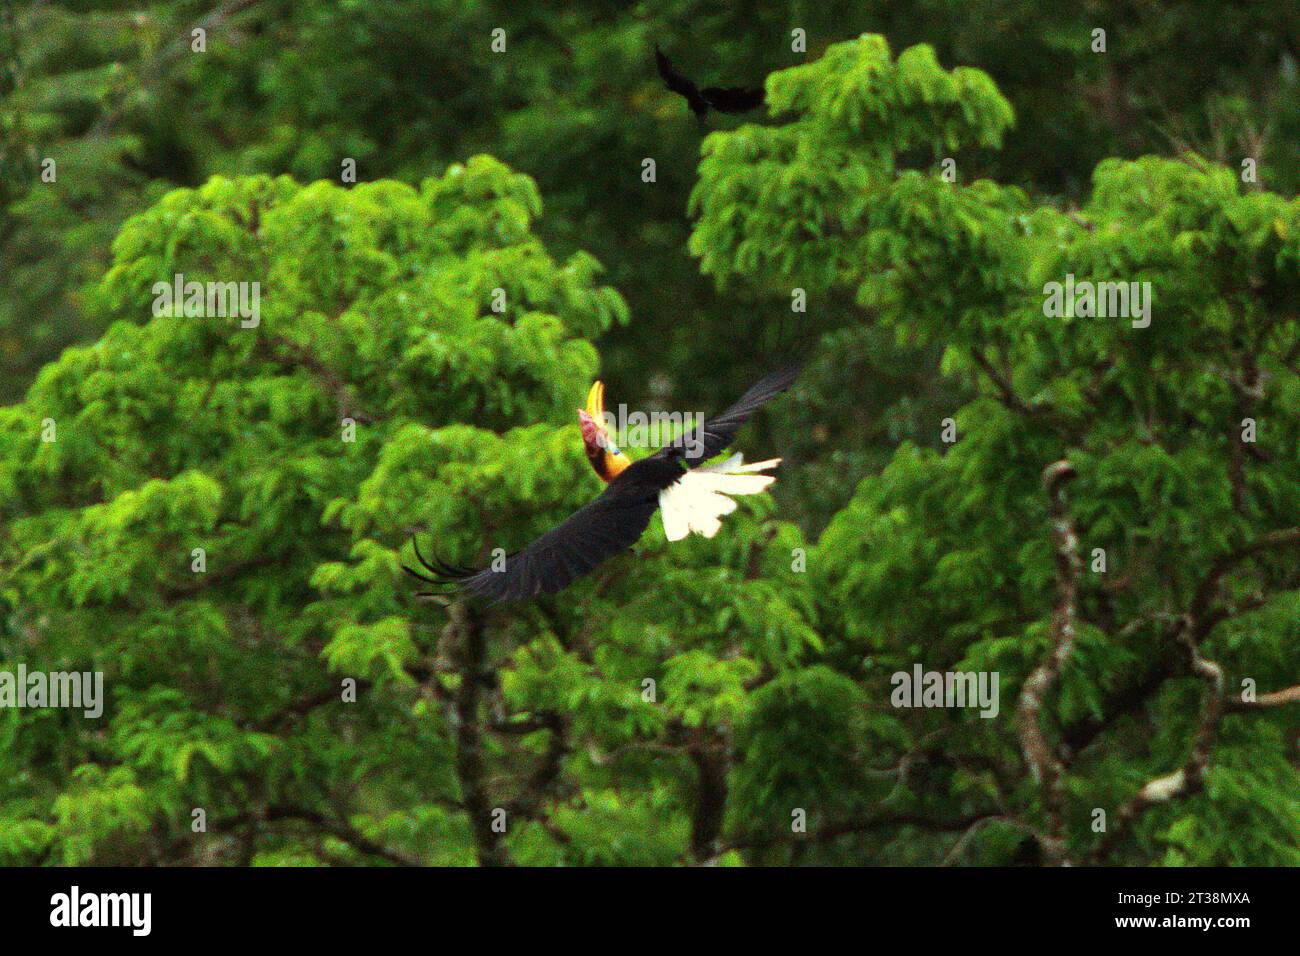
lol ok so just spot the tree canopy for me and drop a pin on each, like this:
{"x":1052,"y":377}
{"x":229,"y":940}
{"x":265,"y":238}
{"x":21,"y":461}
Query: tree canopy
{"x":1101,"y":510}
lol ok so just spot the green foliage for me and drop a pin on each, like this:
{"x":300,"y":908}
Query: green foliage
{"x":946,"y":556}
{"x":679,"y":704}
{"x":371,"y":296}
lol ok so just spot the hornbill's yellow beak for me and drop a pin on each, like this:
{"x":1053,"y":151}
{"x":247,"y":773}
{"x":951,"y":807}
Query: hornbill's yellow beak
{"x":603,"y":454}
{"x":595,"y":435}
{"x":596,"y":402}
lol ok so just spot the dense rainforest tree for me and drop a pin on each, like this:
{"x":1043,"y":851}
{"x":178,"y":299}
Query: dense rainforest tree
{"x":1132,"y":661}
{"x":116,"y":94}
{"x":196,"y":492}
{"x":213,"y":512}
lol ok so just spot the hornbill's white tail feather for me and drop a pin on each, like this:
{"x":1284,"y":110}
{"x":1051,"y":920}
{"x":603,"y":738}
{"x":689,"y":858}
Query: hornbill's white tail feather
{"x":698,"y":500}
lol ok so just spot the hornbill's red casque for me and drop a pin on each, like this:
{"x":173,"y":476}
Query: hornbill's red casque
{"x":691,"y":498}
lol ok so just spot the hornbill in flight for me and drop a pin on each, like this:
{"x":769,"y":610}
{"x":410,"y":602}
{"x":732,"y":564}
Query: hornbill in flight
{"x":691,"y":496}
{"x":724,"y":99}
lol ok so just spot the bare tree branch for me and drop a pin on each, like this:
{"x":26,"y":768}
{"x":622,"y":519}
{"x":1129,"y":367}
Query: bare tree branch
{"x":546,"y":776}
{"x":954,"y":855}
{"x":151,"y":71}
{"x":710,"y":757}
{"x":837,"y":829}
{"x":1203,"y":617}
{"x":295,"y":354}
{"x":337,"y":828}
{"x":1189,"y":631}
{"x":1277,"y":698}
{"x":1041,"y":758}
{"x":468,"y":622}
{"x":1189,"y":778}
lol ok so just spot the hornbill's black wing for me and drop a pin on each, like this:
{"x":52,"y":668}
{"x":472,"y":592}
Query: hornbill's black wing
{"x":717,"y":433}
{"x":680,"y":84}
{"x":598,"y":530}
{"x":732,"y":99}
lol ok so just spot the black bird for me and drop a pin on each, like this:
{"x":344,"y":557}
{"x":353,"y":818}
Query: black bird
{"x":724,"y":99}
{"x":692,"y":499}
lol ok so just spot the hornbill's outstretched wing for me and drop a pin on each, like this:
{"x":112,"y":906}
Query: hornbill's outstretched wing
{"x":719,"y":430}
{"x":614,"y":521}
{"x":724,"y":99}
{"x":601,"y":529}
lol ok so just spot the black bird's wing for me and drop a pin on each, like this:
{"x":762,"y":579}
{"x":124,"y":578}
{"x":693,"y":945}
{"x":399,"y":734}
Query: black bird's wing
{"x":680,"y":83}
{"x":719,"y":430}
{"x":674,"y":80}
{"x":600,"y":529}
{"x":732,"y":99}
